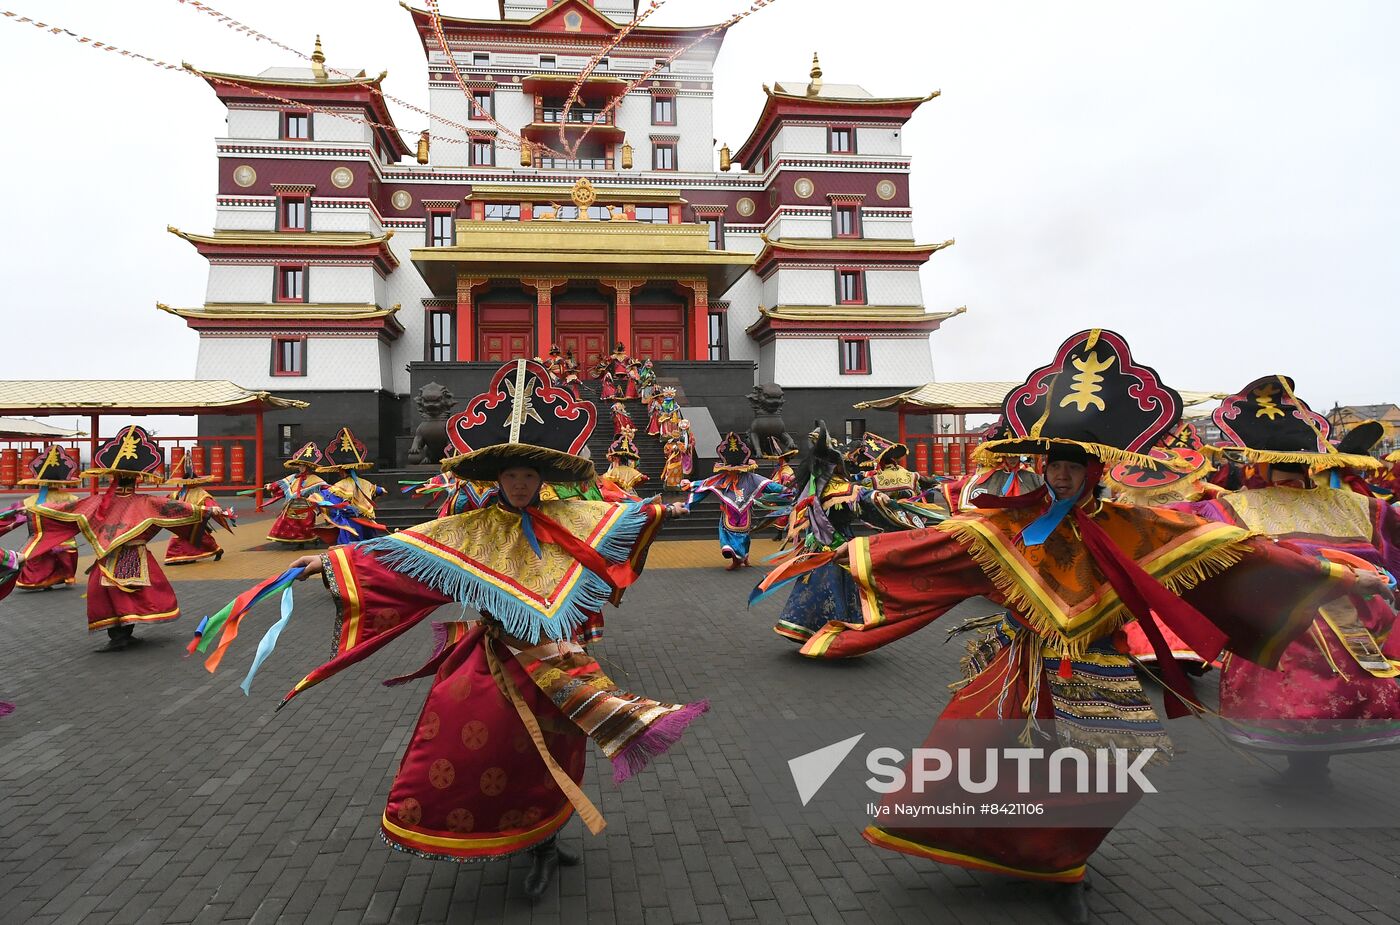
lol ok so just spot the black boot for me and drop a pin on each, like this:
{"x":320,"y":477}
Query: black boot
{"x":118,"y":638}
{"x":1307,"y":773}
{"x":1072,"y":901}
{"x":544,"y":861}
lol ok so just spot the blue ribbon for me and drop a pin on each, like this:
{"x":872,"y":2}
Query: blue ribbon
{"x":269,"y":640}
{"x":1335,"y":479}
{"x":529,"y":528}
{"x":1039,"y":530}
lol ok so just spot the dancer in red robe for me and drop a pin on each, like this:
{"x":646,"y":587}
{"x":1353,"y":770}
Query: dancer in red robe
{"x":1070,"y":569}
{"x":125,"y":585}
{"x":1336,"y":688}
{"x":53,"y":473}
{"x":302,"y":490}
{"x":191,"y":491}
{"x":496,"y":758}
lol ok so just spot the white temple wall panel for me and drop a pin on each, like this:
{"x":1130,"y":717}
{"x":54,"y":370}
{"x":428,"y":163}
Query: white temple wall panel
{"x":328,"y":219}
{"x":872,"y":140}
{"x":239,"y":283}
{"x":408,"y":290}
{"x":893,"y":287}
{"x":254,"y":123}
{"x":695,"y":125}
{"x":744,"y":298}
{"x":246,"y":218}
{"x":800,"y":286}
{"x":332,"y":363}
{"x":815,"y":362}
{"x":345,"y":285}
{"x":800,"y":139}
{"x":885,"y":229}
{"x":325,"y":127}
{"x":767,"y":364}
{"x":801,"y":227}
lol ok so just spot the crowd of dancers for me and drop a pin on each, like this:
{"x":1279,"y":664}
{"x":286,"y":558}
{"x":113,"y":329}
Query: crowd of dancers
{"x":1117,"y":546}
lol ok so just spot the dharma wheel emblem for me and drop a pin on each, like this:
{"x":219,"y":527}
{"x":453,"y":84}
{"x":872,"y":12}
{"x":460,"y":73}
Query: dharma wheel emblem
{"x":583,"y":194}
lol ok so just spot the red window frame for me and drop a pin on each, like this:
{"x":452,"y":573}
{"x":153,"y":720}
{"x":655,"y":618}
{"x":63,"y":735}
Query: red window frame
{"x":659,"y":98}
{"x":836,"y":211}
{"x":290,"y":114}
{"x":850,"y":139}
{"x":863,"y":366}
{"x":277,"y":343}
{"x":279,"y":288}
{"x":489,"y":107}
{"x":859,"y":298}
{"x":657,"y":148}
{"x":286,"y":200}
{"x":472,"y":152}
{"x":433,"y":216}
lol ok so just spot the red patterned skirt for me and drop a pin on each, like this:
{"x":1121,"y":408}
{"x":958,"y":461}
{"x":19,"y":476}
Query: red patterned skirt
{"x":147,"y":598}
{"x":472,"y":786}
{"x":1319,"y":699}
{"x":53,"y":568}
{"x":179,"y":551}
{"x":294,"y":524}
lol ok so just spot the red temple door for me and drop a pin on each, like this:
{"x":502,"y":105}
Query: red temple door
{"x":505,"y":332}
{"x":658,"y":331}
{"x":584,"y":330}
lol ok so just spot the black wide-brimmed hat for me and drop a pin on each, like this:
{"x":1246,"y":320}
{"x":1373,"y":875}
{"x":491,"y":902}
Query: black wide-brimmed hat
{"x":57,"y":468}
{"x":308,"y":457}
{"x":132,"y":452}
{"x":522,"y":419}
{"x":622,"y":446}
{"x":1267,"y":422}
{"x":1361,"y":438}
{"x":345,"y":451}
{"x":734,"y":454}
{"x":1093,"y":396}
{"x":186,"y":474}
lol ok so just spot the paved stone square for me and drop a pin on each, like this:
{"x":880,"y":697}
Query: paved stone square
{"x":137,"y":788}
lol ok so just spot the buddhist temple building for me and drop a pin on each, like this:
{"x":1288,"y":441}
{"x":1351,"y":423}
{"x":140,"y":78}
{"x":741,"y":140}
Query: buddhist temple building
{"x":348,"y":267}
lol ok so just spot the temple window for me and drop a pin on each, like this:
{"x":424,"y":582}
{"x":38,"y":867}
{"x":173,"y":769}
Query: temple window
{"x":289,"y":356}
{"x":292,"y":213}
{"x":440,"y":229}
{"x":296,"y":126}
{"x":483,"y":154}
{"x":841,"y":140}
{"x":850,"y":287}
{"x":663,"y":156}
{"x":663,"y":110}
{"x":291,"y":284}
{"x":440,"y":326}
{"x":846,"y":221}
{"x":656,"y":215}
{"x":502,"y":212}
{"x":855,"y":356}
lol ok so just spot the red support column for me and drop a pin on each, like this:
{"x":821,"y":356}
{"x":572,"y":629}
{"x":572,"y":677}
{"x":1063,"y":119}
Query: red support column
{"x":699,"y":318}
{"x":622,"y":313}
{"x":544,"y":311}
{"x":466,"y":319}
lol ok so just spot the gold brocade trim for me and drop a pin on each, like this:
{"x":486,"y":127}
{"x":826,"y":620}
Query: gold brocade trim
{"x":1070,"y":636}
{"x":1319,"y":462}
{"x":1282,"y":511}
{"x":990,"y":454}
{"x":1340,"y":614}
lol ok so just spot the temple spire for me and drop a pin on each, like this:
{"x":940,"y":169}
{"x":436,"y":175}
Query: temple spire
{"x":318,"y":61}
{"x":815,"y":87}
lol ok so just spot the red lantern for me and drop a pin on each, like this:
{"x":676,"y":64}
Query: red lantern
{"x":9,"y":466}
{"x":238,"y":470}
{"x":216,"y":463}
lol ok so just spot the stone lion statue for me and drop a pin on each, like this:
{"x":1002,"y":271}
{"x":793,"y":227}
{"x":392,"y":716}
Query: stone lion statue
{"x":434,"y":403}
{"x":767,"y":430}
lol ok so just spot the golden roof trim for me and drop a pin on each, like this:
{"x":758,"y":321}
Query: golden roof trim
{"x":642,"y":30}
{"x":302,"y":238}
{"x":541,"y":192}
{"x":856,"y":313}
{"x":901,"y":245}
{"x":285,"y":311}
{"x":309,"y":82}
{"x":858,"y":100}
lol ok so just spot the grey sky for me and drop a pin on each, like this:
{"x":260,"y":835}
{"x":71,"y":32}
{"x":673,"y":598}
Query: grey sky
{"x":1216,"y":180}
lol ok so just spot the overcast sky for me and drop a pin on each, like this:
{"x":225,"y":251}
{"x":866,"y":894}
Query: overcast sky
{"x":1215,"y":180}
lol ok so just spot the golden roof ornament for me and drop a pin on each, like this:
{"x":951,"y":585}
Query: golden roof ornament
{"x":318,"y":61}
{"x":423,"y":146}
{"x":583,"y":196}
{"x":815,"y":87}
{"x":724,"y":157}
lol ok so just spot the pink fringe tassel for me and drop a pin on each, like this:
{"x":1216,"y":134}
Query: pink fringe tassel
{"x":658,"y":738}
{"x":6,"y":708}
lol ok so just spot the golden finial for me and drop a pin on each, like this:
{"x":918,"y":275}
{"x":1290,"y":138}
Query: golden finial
{"x":815,"y":87}
{"x":318,"y":61}
{"x":724,"y":157}
{"x":423,"y":146}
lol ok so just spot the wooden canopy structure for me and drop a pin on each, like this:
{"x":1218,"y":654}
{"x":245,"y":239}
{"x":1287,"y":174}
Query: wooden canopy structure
{"x":94,"y":398}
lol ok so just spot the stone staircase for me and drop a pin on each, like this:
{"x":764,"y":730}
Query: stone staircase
{"x":397,"y":510}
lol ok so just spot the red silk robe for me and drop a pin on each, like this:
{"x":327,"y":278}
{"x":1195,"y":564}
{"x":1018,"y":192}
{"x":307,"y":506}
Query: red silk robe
{"x":181,"y":551}
{"x":1058,"y":626}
